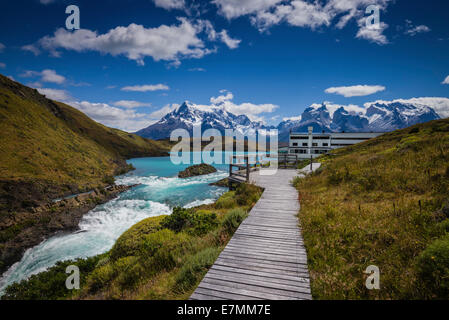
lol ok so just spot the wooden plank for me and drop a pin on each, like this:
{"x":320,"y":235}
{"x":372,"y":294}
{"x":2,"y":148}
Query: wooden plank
{"x":258,"y":281}
{"x":274,"y":291}
{"x":227,"y":291}
{"x":266,"y":258}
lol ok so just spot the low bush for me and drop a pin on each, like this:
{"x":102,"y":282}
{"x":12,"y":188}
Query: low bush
{"x":195,"y":268}
{"x":247,"y":194}
{"x":233,"y":219}
{"x":433,"y":269}
{"x":191,"y":221}
{"x":50,"y":285}
{"x":226,"y":201}
{"x":130,"y":242}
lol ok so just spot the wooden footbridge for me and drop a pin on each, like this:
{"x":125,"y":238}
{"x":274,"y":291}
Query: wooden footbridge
{"x":266,"y":258}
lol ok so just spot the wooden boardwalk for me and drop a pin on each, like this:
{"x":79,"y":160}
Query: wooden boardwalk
{"x":266,"y":258}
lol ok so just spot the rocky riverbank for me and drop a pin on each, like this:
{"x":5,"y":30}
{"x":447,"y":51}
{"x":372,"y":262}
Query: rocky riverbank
{"x":22,"y":230}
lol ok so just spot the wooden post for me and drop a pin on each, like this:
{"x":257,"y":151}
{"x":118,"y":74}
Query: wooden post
{"x":247,"y":169}
{"x":311,"y":161}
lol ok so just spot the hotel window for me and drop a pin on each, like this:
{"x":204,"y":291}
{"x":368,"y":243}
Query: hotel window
{"x":314,"y":144}
{"x":295,"y":144}
{"x":304,"y":144}
{"x":325,"y":144}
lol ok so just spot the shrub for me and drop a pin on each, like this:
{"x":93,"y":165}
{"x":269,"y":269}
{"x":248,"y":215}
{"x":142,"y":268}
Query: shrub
{"x":50,"y":285}
{"x":195,"y":268}
{"x":130,"y":242}
{"x":433,"y":268}
{"x":233,"y":219}
{"x":247,"y":194}
{"x":226,"y":201}
{"x":196,"y":223}
{"x":109,"y":180}
{"x":100,"y":277}
{"x":164,"y":249}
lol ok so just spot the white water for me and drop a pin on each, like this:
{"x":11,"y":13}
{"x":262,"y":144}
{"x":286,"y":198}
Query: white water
{"x":101,"y":227}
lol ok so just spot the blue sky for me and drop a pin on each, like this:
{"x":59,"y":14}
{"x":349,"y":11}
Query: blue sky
{"x":134,"y":60}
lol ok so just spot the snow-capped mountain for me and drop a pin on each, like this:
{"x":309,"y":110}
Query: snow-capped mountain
{"x":378,"y":116}
{"x":189,"y":115}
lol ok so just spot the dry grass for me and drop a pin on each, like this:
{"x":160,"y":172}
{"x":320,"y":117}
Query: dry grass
{"x":377,"y":203}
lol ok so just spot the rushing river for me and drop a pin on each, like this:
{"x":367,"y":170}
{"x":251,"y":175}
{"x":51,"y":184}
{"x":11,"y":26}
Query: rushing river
{"x":159,"y":191}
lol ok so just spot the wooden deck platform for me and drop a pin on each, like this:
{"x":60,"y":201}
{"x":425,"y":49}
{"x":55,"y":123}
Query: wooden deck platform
{"x":266,"y":258}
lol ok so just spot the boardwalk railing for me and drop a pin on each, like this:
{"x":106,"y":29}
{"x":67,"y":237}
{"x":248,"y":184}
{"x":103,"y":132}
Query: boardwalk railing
{"x":244,"y":165}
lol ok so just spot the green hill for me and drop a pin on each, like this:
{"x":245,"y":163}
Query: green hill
{"x":384,"y":202}
{"x":48,"y":149}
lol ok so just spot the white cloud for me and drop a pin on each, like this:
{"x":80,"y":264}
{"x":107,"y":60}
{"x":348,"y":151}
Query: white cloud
{"x":197,"y":70}
{"x":46,"y":75}
{"x":251,"y":110}
{"x":47,"y":1}
{"x":163,"y":111}
{"x":170,"y":4}
{"x":2,"y":47}
{"x":445,"y":81}
{"x":2,"y":65}
{"x":167,"y":43}
{"x":301,"y":13}
{"x":413,"y":30}
{"x":235,"y":8}
{"x":355,"y":91}
{"x":220,"y":99}
{"x":32,"y":48}
{"x":231,"y":43}
{"x":146,"y":87}
{"x":131,"y":104}
{"x":55,"y":94}
{"x":298,"y":118}
{"x":372,"y":33}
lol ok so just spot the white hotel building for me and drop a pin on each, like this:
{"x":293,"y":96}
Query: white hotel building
{"x":312,"y":144}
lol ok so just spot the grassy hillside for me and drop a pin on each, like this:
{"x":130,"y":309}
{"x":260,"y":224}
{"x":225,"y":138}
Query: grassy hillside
{"x":162,"y":257}
{"x":384,"y":202}
{"x":49,"y":148}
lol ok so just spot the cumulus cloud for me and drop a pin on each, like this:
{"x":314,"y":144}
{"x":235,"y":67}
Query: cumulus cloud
{"x":355,"y":91}
{"x":131,"y":104}
{"x":164,"y":43}
{"x":371,"y":32}
{"x":46,"y":75}
{"x":163,"y":111}
{"x":146,"y":88}
{"x":170,"y":4}
{"x":311,"y":14}
{"x":236,"y":8}
{"x":251,"y":110}
{"x":446,"y":81}
{"x":55,"y":94}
